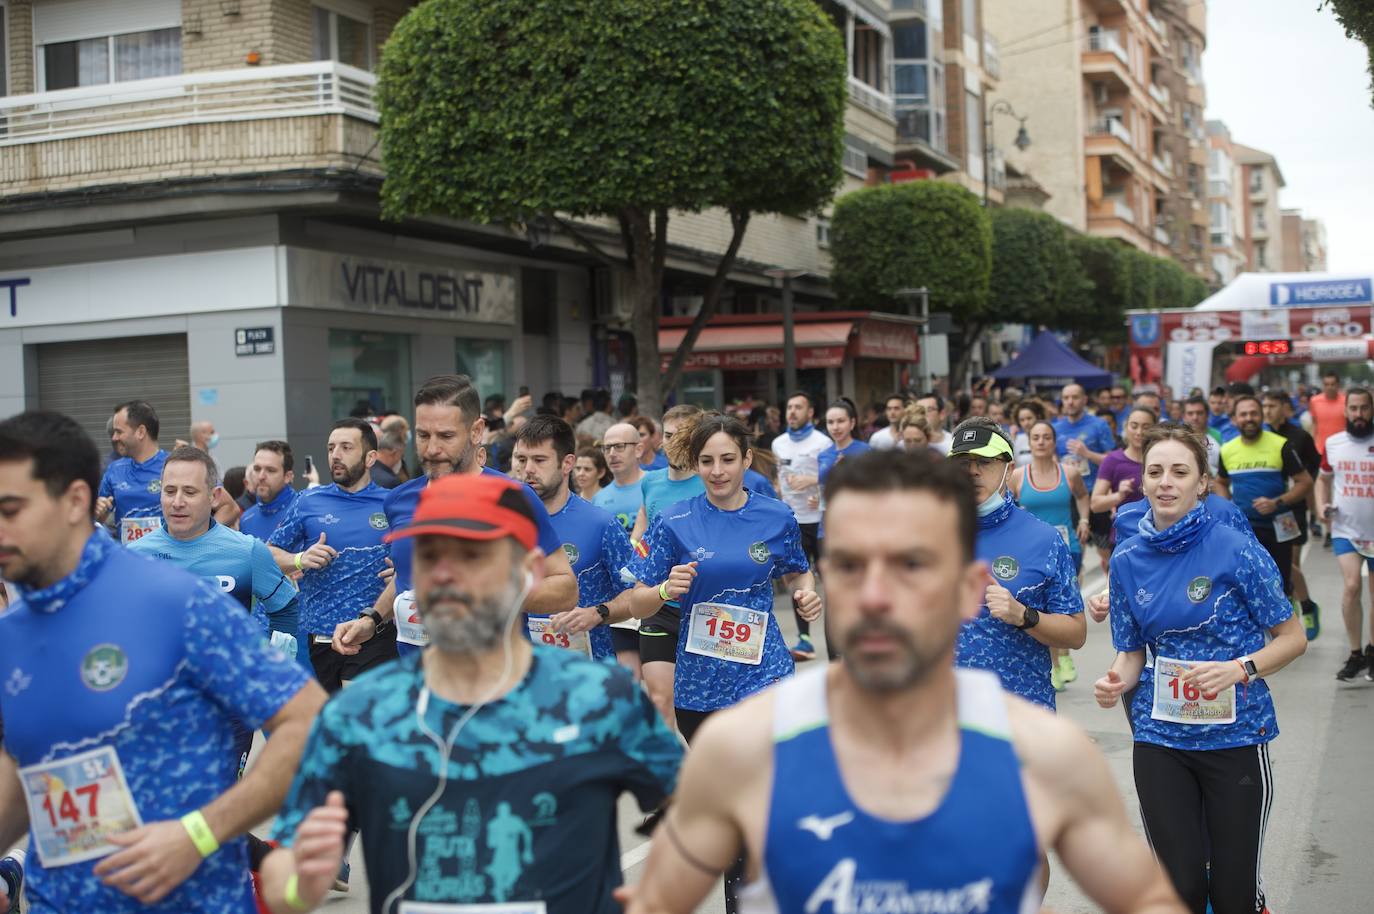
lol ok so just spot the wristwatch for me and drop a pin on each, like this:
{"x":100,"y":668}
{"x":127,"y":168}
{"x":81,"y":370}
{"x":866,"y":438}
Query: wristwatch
{"x":1251,"y":671}
{"x":378,"y":622}
{"x":604,"y":612}
{"x":1032,"y":619}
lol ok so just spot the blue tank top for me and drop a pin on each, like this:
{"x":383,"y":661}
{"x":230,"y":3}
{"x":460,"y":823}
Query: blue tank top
{"x":977,"y":851}
{"x":1053,"y":505}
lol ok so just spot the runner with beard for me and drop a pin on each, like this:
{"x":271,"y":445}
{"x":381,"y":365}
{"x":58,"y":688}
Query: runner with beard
{"x":448,"y":437}
{"x":334,"y":535}
{"x":889,"y":780}
{"x":595,"y":543}
{"x":1346,"y":499}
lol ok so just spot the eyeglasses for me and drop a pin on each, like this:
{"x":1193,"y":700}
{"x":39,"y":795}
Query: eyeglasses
{"x":615,"y":447}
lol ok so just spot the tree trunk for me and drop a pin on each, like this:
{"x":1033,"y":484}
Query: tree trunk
{"x":970,"y":335}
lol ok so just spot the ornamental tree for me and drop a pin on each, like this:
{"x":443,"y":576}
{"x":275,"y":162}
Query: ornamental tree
{"x":618,"y":111}
{"x":904,"y":236}
{"x":1036,"y":279}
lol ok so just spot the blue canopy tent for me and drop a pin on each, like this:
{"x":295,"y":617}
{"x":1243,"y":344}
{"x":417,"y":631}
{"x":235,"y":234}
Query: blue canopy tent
{"x":1046,"y":362}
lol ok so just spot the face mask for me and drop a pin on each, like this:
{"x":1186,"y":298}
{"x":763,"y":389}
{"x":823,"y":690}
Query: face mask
{"x":214,"y":440}
{"x":996,"y":499}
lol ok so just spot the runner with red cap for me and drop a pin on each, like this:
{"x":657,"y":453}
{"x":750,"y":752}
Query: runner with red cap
{"x":475,"y":780}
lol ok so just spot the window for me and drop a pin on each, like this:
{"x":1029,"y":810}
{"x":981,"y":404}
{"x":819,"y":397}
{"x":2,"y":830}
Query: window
{"x":918,"y":83}
{"x":867,"y":65}
{"x":368,"y":371}
{"x":973,"y":135}
{"x":1260,"y":258}
{"x":855,"y":161}
{"x":4,"y":50}
{"x":345,"y":38}
{"x":114,"y":58}
{"x":823,"y":233}
{"x":1256,"y":181}
{"x":970,"y":17}
{"x":484,"y":361}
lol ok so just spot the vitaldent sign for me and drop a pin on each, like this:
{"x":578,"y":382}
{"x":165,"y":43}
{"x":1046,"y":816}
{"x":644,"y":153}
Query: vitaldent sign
{"x":1318,"y":294}
{"x":454,"y":290}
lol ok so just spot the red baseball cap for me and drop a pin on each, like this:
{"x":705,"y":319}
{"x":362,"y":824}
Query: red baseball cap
{"x":472,"y":506}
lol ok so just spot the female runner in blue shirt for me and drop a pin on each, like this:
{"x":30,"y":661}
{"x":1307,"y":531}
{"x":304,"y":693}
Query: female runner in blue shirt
{"x":717,"y":554}
{"x":1202,"y":597}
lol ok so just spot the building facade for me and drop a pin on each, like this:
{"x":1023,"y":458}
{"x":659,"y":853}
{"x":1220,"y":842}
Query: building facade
{"x":1226,"y":203}
{"x":1262,"y":180}
{"x":1303,"y":243}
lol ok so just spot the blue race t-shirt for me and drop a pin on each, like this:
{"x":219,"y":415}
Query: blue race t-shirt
{"x":264,"y":517}
{"x":354,"y":524}
{"x":1197,"y":591}
{"x":659,"y":491}
{"x":399,"y":508}
{"x":528,"y":811}
{"x":738,"y":554}
{"x":1126,"y":523}
{"x":758,"y":483}
{"x":140,"y":664}
{"x":826,"y":462}
{"x":660,"y":462}
{"x":1027,"y":557}
{"x":1093,"y":432}
{"x":597,"y":548}
{"x":137,"y":492}
{"x":621,"y":501}
{"x":238,"y":564}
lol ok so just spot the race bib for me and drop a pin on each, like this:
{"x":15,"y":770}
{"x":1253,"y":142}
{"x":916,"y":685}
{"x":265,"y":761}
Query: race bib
{"x":409,"y":628}
{"x":541,"y":632}
{"x":135,"y":528}
{"x":507,"y":907}
{"x":726,"y":632}
{"x":1364,"y":547}
{"x":1286,"y":527}
{"x":75,"y":804}
{"x":1182,"y":703}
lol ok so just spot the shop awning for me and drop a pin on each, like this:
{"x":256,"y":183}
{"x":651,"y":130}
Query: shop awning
{"x":753,"y":347}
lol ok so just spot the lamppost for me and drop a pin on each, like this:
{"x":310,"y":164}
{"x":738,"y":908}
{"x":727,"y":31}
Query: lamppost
{"x":1022,"y":141}
{"x":927,"y":380}
{"x":789,"y":345}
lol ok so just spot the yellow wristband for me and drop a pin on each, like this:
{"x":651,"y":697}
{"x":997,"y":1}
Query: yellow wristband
{"x":663,"y":592}
{"x":293,"y":894}
{"x":199,"y":830}
{"x":298,"y":561}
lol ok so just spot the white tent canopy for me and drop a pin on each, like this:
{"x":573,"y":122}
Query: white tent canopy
{"x":1262,"y":291}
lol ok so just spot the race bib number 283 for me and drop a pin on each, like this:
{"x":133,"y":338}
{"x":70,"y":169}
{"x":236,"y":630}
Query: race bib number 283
{"x":76,"y":803}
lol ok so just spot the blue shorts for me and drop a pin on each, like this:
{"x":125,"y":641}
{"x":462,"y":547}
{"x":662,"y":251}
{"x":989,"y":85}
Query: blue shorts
{"x":1342,"y":546}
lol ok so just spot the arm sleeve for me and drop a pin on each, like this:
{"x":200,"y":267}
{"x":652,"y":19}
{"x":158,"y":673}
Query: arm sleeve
{"x":273,"y":589}
{"x":1292,"y":463}
{"x":1104,"y":439}
{"x":106,"y":489}
{"x":653,"y":564}
{"x":290,"y":533}
{"x":1062,"y":595}
{"x":1261,"y":585}
{"x":230,"y":661}
{"x":793,"y":558}
{"x":1126,"y":634}
{"x":321,"y":770}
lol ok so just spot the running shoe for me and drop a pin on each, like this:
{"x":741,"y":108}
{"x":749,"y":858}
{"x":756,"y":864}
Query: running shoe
{"x":1369,"y":663}
{"x":1327,"y":541}
{"x":1067,"y":671}
{"x":12,"y":872}
{"x":1056,"y":678}
{"x":803,"y":649}
{"x":1353,"y":664}
{"x":1311,"y":619}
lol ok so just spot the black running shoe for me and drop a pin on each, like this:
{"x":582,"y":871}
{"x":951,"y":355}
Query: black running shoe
{"x":1353,"y":664}
{"x":1369,"y":662}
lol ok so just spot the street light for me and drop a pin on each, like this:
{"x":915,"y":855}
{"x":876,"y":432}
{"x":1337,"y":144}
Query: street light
{"x":928,"y":380}
{"x":789,"y":346}
{"x":1022,"y":141}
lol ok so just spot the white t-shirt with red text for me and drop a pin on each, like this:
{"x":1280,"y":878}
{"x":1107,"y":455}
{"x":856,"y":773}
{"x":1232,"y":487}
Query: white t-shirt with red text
{"x":1351,"y":463}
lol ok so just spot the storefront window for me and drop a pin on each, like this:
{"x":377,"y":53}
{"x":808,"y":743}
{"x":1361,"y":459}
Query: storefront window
{"x":485,"y":362}
{"x":368,"y":372}
{"x":699,"y":388}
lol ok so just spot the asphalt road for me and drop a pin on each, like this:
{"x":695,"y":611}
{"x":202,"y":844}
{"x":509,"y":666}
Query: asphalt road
{"x":1317,"y":854}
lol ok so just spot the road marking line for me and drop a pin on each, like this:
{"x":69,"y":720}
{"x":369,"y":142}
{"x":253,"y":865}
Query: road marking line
{"x":635,"y":855}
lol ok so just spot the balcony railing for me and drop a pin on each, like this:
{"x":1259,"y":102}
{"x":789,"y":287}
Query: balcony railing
{"x":1156,"y":26}
{"x":1120,"y":209}
{"x":292,"y":90}
{"x":1162,"y":236}
{"x":1160,"y":94}
{"x":1164,"y":164}
{"x":1108,"y":40}
{"x":992,"y":57}
{"x":1111,"y":127}
{"x":861,"y":93}
{"x":1219,"y":188}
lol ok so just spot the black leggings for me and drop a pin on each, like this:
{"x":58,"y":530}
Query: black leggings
{"x":688,"y":722}
{"x":1230,"y":791}
{"x":1282,"y":554}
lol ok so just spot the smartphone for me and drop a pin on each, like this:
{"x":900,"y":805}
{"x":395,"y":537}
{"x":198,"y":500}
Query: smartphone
{"x":524,"y":390}
{"x":309,"y":464}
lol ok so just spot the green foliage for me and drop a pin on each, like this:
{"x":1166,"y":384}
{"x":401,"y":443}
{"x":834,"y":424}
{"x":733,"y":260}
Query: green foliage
{"x":1036,"y":279}
{"x":1169,"y":283}
{"x":1138,"y":279}
{"x":1357,"y":18}
{"x":1194,"y":291}
{"x":499,"y":110}
{"x":901,"y":236}
{"x":1103,"y":263}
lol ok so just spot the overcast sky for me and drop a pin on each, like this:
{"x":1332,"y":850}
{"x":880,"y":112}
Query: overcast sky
{"x":1286,"y":80}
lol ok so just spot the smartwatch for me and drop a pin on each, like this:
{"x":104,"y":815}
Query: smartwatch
{"x":378,"y":623}
{"x":604,"y":612}
{"x":1251,"y":671}
{"x":1032,"y":619}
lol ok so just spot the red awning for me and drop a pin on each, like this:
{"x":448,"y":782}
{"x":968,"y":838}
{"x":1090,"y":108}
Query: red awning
{"x":751,"y":347}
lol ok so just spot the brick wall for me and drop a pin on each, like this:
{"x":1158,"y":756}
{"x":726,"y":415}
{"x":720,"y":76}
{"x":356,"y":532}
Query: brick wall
{"x":20,"y":46}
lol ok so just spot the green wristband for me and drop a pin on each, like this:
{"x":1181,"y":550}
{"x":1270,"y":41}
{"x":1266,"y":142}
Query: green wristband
{"x":298,"y":561}
{"x":201,"y":835}
{"x":292,"y":895}
{"x":663,"y":592}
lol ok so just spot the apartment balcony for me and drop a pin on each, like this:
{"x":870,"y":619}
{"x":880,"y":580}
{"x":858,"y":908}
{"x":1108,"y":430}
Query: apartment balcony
{"x":1113,"y":217}
{"x":1111,"y":127}
{"x":1158,"y":35}
{"x":1161,"y":95}
{"x":1259,"y":192}
{"x":314,"y":115}
{"x":875,"y":100}
{"x":992,"y":57}
{"x":1110,"y":137}
{"x":1162,"y":236}
{"x":1164,"y":164}
{"x":1104,"y":55}
{"x":1219,"y":189}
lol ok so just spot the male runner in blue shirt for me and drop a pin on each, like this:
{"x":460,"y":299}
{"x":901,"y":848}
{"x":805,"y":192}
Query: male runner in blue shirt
{"x":273,"y":471}
{"x":448,"y":433}
{"x":594,"y":541}
{"x":1081,"y":437}
{"x":334,"y":535}
{"x":122,"y":678}
{"x":132,"y":485}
